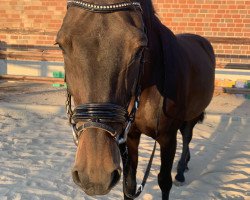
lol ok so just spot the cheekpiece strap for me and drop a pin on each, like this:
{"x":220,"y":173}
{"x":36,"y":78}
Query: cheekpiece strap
{"x":106,"y":8}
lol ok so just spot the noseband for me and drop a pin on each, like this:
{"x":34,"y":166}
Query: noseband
{"x":100,"y":115}
{"x":96,"y":115}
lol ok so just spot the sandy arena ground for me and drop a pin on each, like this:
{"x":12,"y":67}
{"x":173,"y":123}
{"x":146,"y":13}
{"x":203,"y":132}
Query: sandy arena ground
{"x":37,"y":151}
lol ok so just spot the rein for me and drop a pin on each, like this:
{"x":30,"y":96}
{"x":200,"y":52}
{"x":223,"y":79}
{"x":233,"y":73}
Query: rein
{"x":99,"y":115}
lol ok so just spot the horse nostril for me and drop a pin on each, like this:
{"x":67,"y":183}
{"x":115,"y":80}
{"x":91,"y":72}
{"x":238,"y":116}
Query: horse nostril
{"x":76,"y":178}
{"x":115,"y":177}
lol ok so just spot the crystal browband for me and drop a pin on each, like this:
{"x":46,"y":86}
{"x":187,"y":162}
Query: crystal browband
{"x":104,"y":8}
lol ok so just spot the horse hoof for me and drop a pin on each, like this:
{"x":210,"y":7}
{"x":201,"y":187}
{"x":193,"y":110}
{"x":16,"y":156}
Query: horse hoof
{"x":178,"y":183}
{"x":180,"y":177}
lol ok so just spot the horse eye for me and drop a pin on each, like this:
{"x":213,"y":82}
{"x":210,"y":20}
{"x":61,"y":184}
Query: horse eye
{"x":138,"y":53}
{"x":60,"y":46}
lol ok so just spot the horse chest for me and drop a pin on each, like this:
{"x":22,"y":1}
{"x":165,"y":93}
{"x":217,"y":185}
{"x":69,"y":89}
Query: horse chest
{"x":148,"y":113}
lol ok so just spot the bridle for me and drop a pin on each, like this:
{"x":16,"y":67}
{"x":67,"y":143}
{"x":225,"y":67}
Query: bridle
{"x":99,"y":115}
{"x":95,"y":115}
{"x":105,"y":8}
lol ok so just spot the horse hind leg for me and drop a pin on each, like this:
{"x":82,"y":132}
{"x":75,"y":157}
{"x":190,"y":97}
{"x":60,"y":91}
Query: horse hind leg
{"x":187,"y":134}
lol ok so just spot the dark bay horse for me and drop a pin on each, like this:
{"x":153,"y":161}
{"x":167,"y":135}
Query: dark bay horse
{"x":118,"y":54}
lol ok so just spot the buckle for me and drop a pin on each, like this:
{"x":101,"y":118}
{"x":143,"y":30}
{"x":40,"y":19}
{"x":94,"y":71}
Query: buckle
{"x":74,"y":133}
{"x":125,"y":134}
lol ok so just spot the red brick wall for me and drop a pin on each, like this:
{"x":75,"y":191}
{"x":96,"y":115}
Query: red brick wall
{"x":226,"y":23}
{"x":28,"y":29}
{"x":33,"y":24}
{"x":30,"y":22}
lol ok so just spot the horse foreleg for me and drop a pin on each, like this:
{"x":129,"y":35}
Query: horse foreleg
{"x":130,"y":167}
{"x":168,"y":148}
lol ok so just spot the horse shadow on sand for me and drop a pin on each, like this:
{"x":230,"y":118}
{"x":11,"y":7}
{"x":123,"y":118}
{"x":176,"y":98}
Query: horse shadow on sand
{"x":220,"y":160}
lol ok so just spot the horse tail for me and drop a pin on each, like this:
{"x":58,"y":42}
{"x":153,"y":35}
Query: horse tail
{"x":201,"y":117}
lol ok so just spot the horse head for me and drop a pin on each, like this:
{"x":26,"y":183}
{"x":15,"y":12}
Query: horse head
{"x":102,"y":44}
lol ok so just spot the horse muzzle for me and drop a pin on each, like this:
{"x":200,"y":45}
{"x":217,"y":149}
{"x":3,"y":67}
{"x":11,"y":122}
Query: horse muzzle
{"x":91,"y":187}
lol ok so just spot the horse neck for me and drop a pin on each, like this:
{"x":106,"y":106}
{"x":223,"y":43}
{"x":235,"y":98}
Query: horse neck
{"x":153,"y":57}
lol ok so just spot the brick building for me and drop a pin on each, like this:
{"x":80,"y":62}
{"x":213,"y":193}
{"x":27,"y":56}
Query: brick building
{"x":28,"y":27}
{"x":226,"y":23}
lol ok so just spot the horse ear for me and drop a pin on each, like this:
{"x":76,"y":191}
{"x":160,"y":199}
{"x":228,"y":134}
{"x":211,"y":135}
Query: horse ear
{"x":175,"y":72}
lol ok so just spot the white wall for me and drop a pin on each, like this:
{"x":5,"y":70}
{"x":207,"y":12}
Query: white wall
{"x":30,"y":68}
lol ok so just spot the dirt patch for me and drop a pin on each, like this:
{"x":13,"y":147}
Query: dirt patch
{"x":31,"y":93}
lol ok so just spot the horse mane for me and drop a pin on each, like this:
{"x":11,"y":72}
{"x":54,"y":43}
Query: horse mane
{"x":150,"y":6}
{"x":148,"y":12}
{"x":173,"y":67}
